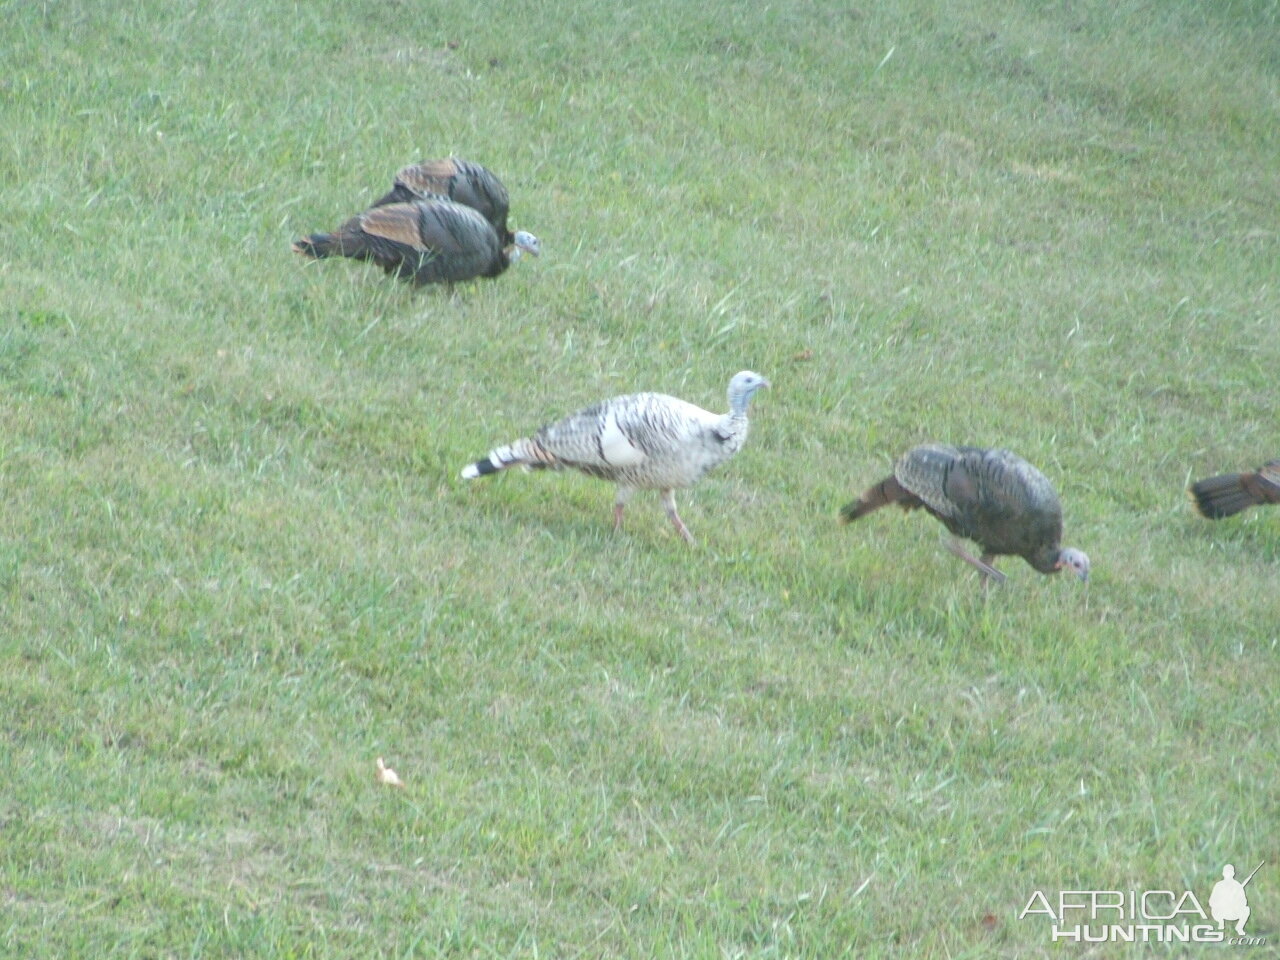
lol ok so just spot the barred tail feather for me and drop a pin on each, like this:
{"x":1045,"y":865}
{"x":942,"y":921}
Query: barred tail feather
{"x":885,"y":492}
{"x":480,"y":468}
{"x":1222,"y":496}
{"x":526,"y":453}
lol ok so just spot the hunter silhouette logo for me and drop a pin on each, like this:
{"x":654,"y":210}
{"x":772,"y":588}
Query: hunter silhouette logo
{"x":1228,"y":900}
{"x":1149,"y":916}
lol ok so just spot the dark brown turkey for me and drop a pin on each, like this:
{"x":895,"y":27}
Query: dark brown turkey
{"x":1229,"y":493}
{"x":992,"y":497}
{"x":462,"y":182}
{"x":427,"y":241}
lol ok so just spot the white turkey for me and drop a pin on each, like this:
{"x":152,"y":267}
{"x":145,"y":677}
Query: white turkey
{"x":459,"y":180}
{"x":1229,"y":493}
{"x":641,"y":441}
{"x":992,"y":497}
{"x":428,"y":241}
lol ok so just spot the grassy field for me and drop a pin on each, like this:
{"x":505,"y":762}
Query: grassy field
{"x":237,"y":563}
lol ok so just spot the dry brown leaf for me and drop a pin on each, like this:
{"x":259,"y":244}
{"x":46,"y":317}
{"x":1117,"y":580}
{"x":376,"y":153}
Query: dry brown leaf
{"x":388,"y":776}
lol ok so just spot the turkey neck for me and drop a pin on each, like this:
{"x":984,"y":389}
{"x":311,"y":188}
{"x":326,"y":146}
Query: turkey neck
{"x":1045,"y":561}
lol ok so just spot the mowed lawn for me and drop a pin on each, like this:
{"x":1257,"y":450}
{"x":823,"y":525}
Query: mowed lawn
{"x":237,"y":562}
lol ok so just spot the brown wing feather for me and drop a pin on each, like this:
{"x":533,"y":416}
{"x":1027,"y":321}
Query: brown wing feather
{"x":926,"y":472}
{"x":399,"y":223}
{"x":432,"y":176}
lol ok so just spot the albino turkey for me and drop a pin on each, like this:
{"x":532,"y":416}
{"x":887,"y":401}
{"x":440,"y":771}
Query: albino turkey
{"x":642,"y":441}
{"x":1229,"y":493}
{"x":992,"y":497}
{"x":462,"y":182}
{"x":428,"y":241}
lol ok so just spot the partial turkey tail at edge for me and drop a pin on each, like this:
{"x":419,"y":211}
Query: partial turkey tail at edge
{"x":1224,"y":495}
{"x":317,"y":246}
{"x":526,"y":453}
{"x":887,"y":491}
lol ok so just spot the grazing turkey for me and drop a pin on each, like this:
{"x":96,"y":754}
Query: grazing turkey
{"x":428,"y":241}
{"x":1229,"y":493}
{"x":462,"y":182}
{"x":642,"y":441}
{"x":992,"y":497}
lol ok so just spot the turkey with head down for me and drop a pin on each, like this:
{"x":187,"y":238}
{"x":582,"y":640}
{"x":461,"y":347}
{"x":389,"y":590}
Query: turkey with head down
{"x":426,"y":241}
{"x":992,"y":497}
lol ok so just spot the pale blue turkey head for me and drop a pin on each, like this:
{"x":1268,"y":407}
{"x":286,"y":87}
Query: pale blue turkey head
{"x":526,"y":241}
{"x":1077,"y":561}
{"x":742,"y":388}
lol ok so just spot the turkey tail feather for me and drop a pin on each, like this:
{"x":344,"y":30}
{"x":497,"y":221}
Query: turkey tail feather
{"x":1223,"y":496}
{"x":885,"y":492}
{"x":526,"y":453}
{"x":317,"y":246}
{"x":481,"y":468}
{"x":400,"y":194}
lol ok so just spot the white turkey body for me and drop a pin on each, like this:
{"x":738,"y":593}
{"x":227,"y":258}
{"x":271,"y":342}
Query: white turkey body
{"x":645,"y":440}
{"x":641,"y":441}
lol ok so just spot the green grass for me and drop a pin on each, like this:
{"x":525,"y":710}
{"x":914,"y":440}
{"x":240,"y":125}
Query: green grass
{"x":237,"y":564}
